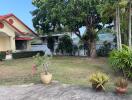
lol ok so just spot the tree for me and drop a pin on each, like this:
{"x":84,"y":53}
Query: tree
{"x":75,"y":14}
{"x":118,"y":30}
{"x":84,"y":13}
{"x":130,"y":25}
{"x":45,"y":19}
{"x":116,"y":9}
{"x":50,"y":43}
{"x":88,"y":13}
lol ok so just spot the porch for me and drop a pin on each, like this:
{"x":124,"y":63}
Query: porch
{"x":23,"y":43}
{"x":10,"y":43}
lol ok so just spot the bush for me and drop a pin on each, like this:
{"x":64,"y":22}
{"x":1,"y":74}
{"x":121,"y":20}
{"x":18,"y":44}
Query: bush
{"x":104,"y":50}
{"x":121,"y":61}
{"x":2,"y":55}
{"x":25,"y":54}
{"x":65,"y":45}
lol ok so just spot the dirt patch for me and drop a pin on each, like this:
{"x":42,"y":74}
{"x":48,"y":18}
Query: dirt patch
{"x":8,"y":72}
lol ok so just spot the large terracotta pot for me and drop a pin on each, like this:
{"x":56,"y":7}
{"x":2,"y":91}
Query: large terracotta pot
{"x":46,"y":79}
{"x":120,"y":90}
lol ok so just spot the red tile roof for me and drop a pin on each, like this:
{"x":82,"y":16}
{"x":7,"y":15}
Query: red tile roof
{"x":4,"y":17}
{"x":23,"y":38}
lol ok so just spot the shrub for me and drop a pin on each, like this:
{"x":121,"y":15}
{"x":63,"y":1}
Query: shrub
{"x":25,"y":54}
{"x":121,"y":61}
{"x":65,"y":45}
{"x":98,"y":80}
{"x":2,"y":55}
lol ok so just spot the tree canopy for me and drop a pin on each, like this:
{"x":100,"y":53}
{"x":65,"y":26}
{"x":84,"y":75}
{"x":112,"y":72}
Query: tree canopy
{"x":71,"y":15}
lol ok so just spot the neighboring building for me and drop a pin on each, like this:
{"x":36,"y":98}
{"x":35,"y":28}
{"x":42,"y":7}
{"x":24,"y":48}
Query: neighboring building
{"x":102,"y":37}
{"x":43,"y":44}
{"x":109,"y":37}
{"x":14,"y":34}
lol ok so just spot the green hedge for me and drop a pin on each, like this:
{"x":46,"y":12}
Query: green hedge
{"x":26,"y":54}
{"x":2,"y":55}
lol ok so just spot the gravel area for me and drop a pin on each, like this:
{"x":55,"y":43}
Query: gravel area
{"x":55,"y":91}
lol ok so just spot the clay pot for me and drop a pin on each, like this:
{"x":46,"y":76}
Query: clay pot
{"x":46,"y":78}
{"x":120,"y":90}
{"x":97,"y":89}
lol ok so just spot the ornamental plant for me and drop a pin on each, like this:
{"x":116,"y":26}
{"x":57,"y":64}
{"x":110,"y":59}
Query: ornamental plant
{"x":122,"y":83}
{"x":121,"y":61}
{"x":98,"y":80}
{"x":121,"y":86}
{"x":43,"y":61}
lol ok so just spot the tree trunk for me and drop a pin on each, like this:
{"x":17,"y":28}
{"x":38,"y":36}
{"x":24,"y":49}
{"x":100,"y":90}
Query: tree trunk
{"x":93,"y":49}
{"x":116,"y":26}
{"x":118,"y":31}
{"x":130,"y":41}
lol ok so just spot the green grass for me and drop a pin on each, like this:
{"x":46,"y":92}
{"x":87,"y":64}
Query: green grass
{"x":73,"y":70}
{"x":69,"y":70}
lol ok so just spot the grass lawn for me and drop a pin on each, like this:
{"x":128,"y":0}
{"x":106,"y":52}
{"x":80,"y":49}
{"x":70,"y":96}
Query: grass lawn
{"x":71,"y":70}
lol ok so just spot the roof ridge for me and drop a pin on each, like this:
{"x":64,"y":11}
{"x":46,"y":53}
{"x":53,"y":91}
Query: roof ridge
{"x":7,"y":15}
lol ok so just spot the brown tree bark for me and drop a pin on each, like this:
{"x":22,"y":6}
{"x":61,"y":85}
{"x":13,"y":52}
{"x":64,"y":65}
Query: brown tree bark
{"x":93,"y":53}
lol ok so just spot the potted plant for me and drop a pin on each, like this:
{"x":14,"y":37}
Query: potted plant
{"x":43,"y":61}
{"x":121,"y":86}
{"x":8,"y":55}
{"x":98,"y":81}
{"x":2,"y":56}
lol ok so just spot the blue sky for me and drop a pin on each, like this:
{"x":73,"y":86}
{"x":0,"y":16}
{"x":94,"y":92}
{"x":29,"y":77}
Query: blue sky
{"x":20,"y":8}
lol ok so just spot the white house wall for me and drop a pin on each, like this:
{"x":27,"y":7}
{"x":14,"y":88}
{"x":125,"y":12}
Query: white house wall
{"x":10,"y":32}
{"x":5,"y":43}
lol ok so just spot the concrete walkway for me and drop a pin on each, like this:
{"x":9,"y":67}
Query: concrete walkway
{"x":55,"y":92}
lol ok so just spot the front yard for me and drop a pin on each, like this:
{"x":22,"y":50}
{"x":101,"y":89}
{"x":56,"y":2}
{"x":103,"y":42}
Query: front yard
{"x":70,"y":70}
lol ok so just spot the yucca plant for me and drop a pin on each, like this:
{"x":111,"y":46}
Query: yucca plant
{"x":98,"y":80}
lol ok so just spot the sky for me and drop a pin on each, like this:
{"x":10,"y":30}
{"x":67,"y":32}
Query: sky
{"x":20,"y":8}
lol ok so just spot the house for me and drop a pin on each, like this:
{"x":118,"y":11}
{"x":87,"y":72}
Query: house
{"x":42,"y":45}
{"x":14,"y":34}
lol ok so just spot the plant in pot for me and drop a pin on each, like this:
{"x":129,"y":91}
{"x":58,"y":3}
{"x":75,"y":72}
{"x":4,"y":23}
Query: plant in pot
{"x":121,"y":86}
{"x":98,"y":81}
{"x":43,"y":61}
{"x":2,"y":56}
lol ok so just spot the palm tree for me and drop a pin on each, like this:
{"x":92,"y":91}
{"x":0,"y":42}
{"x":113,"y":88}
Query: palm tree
{"x":118,"y":26}
{"x":130,"y":25}
{"x":115,"y":10}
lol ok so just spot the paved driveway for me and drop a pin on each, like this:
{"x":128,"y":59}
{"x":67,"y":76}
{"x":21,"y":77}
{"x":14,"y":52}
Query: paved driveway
{"x":55,"y":92}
